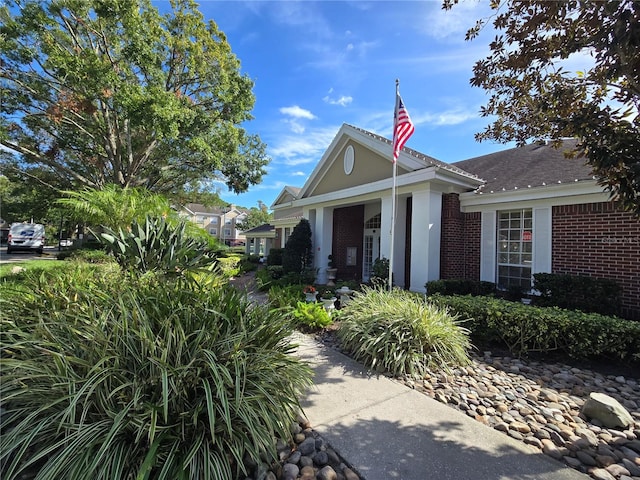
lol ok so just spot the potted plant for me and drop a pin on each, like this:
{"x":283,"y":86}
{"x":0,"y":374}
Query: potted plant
{"x":328,"y":299}
{"x":310,"y":293}
{"x":331,"y":272}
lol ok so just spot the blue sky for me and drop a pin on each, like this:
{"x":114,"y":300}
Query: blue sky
{"x":317,"y":65}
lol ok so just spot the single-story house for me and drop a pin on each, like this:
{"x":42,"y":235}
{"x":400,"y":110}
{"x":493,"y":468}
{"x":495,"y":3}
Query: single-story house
{"x":500,"y":217}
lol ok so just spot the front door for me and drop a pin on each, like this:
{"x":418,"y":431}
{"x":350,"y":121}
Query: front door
{"x":371,"y":251}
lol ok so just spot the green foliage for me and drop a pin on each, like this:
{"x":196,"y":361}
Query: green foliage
{"x":120,"y":377}
{"x":312,"y":315}
{"x":88,"y":255}
{"x":380,"y":273}
{"x":399,"y":332}
{"x":275,"y":256}
{"x":523,"y":328}
{"x":229,"y":265}
{"x":298,"y":251}
{"x":460,"y":287}
{"x":255,"y":217}
{"x":115,"y":207}
{"x":576,"y":292}
{"x":286,"y":296}
{"x":156,"y":246}
{"x":159,"y":89}
{"x":534,"y":96}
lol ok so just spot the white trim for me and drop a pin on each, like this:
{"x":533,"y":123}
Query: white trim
{"x":488,"y":246}
{"x":566,"y":194}
{"x":542,"y":235}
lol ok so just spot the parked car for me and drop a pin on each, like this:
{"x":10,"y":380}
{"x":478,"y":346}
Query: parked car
{"x":26,"y":236}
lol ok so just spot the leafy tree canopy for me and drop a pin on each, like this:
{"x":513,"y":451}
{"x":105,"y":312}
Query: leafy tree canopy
{"x":255,"y":217}
{"x":533,"y":97}
{"x":112,"y":92}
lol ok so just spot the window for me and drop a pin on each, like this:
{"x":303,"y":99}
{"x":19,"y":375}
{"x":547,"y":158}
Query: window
{"x":227,"y":232}
{"x":514,"y":249}
{"x":213,"y":231}
{"x":214,"y":220}
{"x":374,"y":222}
{"x":200,"y":220}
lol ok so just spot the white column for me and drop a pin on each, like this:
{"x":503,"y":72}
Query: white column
{"x":322,"y":230}
{"x":488,"y":246}
{"x":542,"y":231}
{"x":426,"y":226}
{"x":385,"y":227}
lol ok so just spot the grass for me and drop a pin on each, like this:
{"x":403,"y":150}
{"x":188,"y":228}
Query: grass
{"x":400,"y":333}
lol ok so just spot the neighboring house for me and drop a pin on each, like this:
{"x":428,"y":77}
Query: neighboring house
{"x":499,"y":217}
{"x":219,"y":222}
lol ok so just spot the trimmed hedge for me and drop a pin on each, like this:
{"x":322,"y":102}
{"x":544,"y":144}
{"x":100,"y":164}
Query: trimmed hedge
{"x":523,"y":328}
{"x":578,"y":292}
{"x":460,"y":287}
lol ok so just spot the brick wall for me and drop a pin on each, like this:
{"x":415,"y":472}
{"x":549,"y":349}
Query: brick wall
{"x":348,"y":225}
{"x":472,"y":227}
{"x":598,"y":240}
{"x":452,"y":238}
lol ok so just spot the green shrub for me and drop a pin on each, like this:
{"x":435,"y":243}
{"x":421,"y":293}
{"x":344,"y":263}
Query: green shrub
{"x":145,"y":379}
{"x":88,"y":255}
{"x":157,"y":246}
{"x":524,"y":329}
{"x":229,"y":265}
{"x":401,"y":333}
{"x":380,"y":273}
{"x":275,"y":256}
{"x":459,"y":287}
{"x":576,"y":292}
{"x":298,"y":251}
{"x":286,"y":296}
{"x":312,"y":315}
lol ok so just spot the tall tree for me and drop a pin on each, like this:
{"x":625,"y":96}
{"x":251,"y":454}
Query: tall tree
{"x":533,"y":97}
{"x":112,"y":92}
{"x":255,"y":217}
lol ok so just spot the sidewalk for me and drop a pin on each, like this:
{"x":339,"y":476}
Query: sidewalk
{"x":387,"y":431}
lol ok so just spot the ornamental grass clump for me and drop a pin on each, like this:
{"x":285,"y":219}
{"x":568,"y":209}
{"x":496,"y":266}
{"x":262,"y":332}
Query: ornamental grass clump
{"x":400,"y":333}
{"x":141,"y":378}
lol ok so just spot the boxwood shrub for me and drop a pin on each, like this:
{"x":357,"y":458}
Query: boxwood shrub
{"x":524,"y":329}
{"x":578,"y":292}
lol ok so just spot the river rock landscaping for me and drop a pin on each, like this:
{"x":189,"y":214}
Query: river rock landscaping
{"x":541,"y":405}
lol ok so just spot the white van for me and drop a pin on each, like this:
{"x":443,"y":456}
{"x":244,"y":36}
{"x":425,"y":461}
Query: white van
{"x":26,"y":236}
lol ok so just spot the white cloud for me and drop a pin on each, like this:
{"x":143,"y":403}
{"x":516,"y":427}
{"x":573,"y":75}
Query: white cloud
{"x":343,"y":100}
{"x":454,"y":23}
{"x":446,"y":118}
{"x":296,"y":150}
{"x":297,"y":112}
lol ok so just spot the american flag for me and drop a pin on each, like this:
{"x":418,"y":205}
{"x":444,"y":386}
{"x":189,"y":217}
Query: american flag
{"x":402,"y":128}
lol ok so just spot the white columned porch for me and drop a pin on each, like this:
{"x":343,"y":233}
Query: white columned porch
{"x":321,"y":221}
{"x":426,"y":229}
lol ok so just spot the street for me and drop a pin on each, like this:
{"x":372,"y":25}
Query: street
{"x":49,"y":253}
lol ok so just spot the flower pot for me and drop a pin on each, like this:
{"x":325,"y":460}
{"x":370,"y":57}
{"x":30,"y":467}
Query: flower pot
{"x":329,"y":303}
{"x":331,"y":276}
{"x":310,"y":297}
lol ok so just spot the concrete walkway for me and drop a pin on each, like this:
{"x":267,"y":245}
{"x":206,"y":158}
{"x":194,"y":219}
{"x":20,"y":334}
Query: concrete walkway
{"x":387,"y":431}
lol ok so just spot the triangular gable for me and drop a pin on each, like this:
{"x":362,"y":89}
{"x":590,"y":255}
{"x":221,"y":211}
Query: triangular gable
{"x":287,"y":194}
{"x":355,"y":157}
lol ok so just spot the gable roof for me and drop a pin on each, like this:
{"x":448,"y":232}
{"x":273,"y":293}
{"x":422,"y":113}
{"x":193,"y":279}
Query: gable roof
{"x":409,"y":160}
{"x":533,"y":165}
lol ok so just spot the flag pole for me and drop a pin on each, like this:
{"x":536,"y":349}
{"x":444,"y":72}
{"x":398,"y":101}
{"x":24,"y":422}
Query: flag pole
{"x":393,"y":191}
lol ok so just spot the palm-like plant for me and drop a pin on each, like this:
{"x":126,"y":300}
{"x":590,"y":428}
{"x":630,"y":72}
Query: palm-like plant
{"x":115,"y":207}
{"x":155,"y":245}
{"x":137,"y":378}
{"x":399,"y":332}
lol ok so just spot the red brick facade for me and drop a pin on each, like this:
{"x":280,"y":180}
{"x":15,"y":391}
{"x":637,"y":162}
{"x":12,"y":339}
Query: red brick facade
{"x":598,"y":240}
{"x":594,"y":239}
{"x":452,"y":247}
{"x":348,"y":225}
